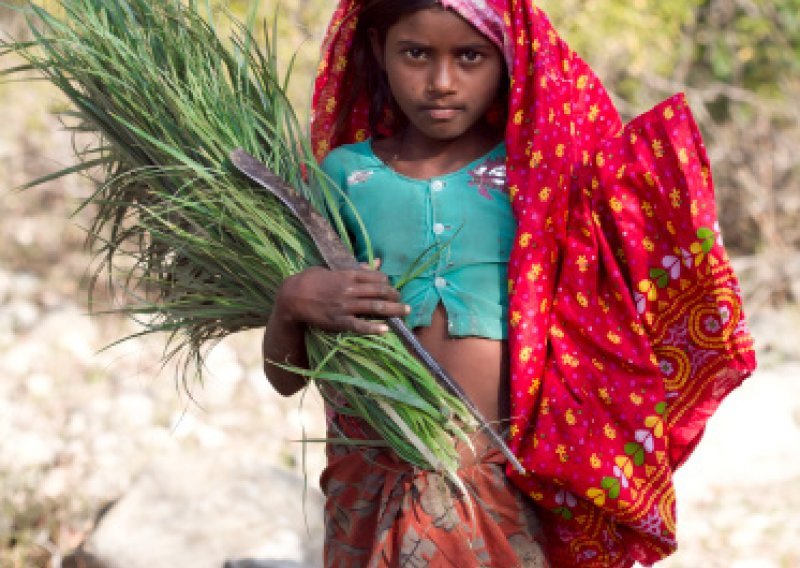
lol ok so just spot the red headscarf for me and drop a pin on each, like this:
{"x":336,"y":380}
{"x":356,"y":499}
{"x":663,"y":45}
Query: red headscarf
{"x":626,"y":326}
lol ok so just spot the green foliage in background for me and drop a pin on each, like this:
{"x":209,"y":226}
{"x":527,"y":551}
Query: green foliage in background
{"x":164,"y":92}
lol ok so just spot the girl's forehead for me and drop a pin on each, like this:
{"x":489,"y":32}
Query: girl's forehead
{"x":436,"y":25}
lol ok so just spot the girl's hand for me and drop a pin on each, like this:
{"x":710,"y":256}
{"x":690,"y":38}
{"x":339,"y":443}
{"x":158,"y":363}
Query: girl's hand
{"x":340,"y":300}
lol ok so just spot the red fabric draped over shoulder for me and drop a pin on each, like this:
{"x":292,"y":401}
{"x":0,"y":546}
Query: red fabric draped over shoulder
{"x":626,"y":326}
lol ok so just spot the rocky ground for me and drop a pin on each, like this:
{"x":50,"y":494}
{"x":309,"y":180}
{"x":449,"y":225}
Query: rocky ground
{"x":81,"y":426}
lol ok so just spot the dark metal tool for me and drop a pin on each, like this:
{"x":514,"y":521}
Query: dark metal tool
{"x":338,"y":257}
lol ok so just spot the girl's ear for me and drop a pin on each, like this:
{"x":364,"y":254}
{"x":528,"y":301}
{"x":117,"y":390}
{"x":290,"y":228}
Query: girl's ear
{"x":377,"y":47}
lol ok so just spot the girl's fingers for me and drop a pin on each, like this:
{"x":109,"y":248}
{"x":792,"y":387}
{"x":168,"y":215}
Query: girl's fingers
{"x":362,"y":326}
{"x":376,"y":307}
{"x":376,"y":290}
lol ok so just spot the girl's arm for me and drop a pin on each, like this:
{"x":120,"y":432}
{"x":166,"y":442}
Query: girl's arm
{"x":331,"y":300}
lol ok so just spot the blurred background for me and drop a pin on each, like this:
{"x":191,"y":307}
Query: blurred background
{"x":99,"y":446}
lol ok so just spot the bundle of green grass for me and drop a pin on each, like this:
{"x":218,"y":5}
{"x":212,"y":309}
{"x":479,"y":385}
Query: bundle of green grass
{"x":198,"y":249}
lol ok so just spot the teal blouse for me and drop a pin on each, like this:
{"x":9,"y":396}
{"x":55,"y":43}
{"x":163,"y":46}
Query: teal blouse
{"x":457,"y":228}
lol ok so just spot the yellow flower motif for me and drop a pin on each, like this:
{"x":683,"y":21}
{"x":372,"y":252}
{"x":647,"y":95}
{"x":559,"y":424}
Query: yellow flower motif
{"x":695,"y":208}
{"x":536,"y":496}
{"x":525,"y":240}
{"x":649,"y":179}
{"x":553,"y":37}
{"x":534,"y":386}
{"x":510,"y":286}
{"x":525,"y":354}
{"x":621,"y":172}
{"x":669,"y":113}
{"x":597,"y":496}
{"x":683,"y":156}
{"x":603,"y":305}
{"x":341,"y":64}
{"x":600,"y":160}
{"x":361,"y":135}
{"x":625,"y":465}
{"x":675,"y":197}
{"x":615,"y":204}
{"x":647,"y":207}
{"x":706,"y":173}
{"x":583,"y":80}
{"x":518,"y":116}
{"x":569,"y":416}
{"x":567,"y":109}
{"x":514,"y":431}
{"x":603,"y":394}
{"x":543,"y":82}
{"x":536,"y":45}
{"x":671,"y":228}
{"x":636,"y":399}
{"x":656,"y":424}
{"x":516,"y":317}
{"x":637,"y":328}
{"x":647,"y":243}
{"x":634,"y":138}
{"x":513,"y":191}
{"x":561,"y":450}
{"x":595,"y":461}
{"x":536,"y":159}
{"x":614,"y":338}
{"x":596,"y":218}
{"x":594,"y":112}
{"x":545,"y":194}
{"x":658,"y":148}
{"x":330,"y":104}
{"x":595,"y":183}
{"x":323,"y":147}
{"x":551,"y":116}
{"x":582,"y":299}
{"x":556,"y":332}
{"x":587,"y":157}
{"x":569,"y":360}
{"x":544,"y":306}
{"x":610,"y":431}
{"x":653,"y":359}
{"x":534,"y":273}
{"x":545,"y":407}
{"x":566,"y":66}
{"x":583,"y":263}
{"x":560,"y":150}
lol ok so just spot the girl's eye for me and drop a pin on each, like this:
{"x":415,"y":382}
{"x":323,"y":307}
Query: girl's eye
{"x":415,"y":52}
{"x":471,"y":56}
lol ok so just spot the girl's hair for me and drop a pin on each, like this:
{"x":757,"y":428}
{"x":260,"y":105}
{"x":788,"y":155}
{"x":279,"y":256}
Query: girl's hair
{"x":367,"y":74}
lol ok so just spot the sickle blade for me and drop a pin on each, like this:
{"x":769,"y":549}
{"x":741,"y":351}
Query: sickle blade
{"x":337,"y":256}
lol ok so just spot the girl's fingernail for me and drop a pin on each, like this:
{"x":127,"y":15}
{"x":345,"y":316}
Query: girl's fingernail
{"x":383,"y":329}
{"x":407,"y":309}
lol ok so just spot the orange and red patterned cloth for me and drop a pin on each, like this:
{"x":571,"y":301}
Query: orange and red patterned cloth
{"x":626,"y":324}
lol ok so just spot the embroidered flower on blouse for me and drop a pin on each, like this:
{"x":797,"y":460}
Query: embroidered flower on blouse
{"x":489,"y":175}
{"x":359,"y":176}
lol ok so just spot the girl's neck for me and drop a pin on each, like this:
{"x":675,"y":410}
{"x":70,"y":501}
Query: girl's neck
{"x":413,"y":155}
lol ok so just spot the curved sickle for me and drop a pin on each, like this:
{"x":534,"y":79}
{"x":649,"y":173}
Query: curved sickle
{"x":338,"y":257}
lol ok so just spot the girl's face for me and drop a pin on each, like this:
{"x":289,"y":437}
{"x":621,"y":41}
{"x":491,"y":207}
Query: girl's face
{"x":443,"y":73}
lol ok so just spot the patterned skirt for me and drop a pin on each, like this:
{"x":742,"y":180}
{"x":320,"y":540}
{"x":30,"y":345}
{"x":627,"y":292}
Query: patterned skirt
{"x":381,"y":512}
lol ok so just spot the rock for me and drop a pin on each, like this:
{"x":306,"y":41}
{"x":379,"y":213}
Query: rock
{"x":199,"y":510}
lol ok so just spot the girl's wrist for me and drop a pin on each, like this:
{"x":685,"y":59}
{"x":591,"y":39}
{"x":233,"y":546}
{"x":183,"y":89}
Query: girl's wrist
{"x":284,"y":312}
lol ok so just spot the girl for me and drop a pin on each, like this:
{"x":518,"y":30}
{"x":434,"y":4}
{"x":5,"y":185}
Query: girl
{"x":583,"y":299}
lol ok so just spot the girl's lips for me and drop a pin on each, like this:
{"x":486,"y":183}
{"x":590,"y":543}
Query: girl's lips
{"x":441,"y":113}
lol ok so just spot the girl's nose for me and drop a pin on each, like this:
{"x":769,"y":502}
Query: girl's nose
{"x":442,"y":80}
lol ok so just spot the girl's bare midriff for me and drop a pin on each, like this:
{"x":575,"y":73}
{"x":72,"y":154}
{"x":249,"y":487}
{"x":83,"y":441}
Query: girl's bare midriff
{"x":480,"y":367}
